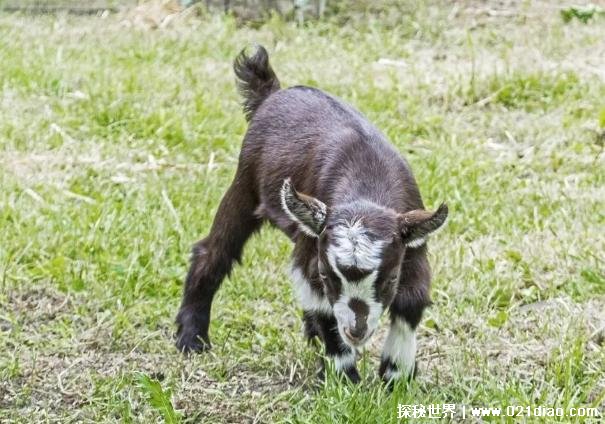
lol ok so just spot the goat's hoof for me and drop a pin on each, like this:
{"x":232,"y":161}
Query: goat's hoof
{"x":389,"y":384}
{"x":189,"y":343}
{"x":353,"y":375}
{"x":348,"y":374}
{"x":321,"y":371}
{"x":389,"y":374}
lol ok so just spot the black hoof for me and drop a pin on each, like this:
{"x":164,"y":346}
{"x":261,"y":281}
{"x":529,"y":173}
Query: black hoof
{"x":192,"y":343}
{"x":192,"y":332}
{"x":352,"y":375}
{"x":388,"y":369}
{"x":349,"y":374}
{"x":388,"y":385}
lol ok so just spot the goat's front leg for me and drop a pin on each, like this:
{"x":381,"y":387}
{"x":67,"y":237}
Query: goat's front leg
{"x":343,"y":355}
{"x":318,"y":318}
{"x":399,"y":353}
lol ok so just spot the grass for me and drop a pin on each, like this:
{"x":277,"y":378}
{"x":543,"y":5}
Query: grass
{"x":116,"y":145}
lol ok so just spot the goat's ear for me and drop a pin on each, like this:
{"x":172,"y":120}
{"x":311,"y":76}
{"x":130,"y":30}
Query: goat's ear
{"x":308,"y":212}
{"x":416,"y":225}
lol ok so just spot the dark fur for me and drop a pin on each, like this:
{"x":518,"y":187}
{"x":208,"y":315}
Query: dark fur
{"x":255,"y":79}
{"x":330,"y":152}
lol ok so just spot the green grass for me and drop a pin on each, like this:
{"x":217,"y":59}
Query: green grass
{"x":117,"y":143}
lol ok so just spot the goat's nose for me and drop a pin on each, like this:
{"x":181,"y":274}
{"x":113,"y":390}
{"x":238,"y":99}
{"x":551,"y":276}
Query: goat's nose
{"x":355,"y":334}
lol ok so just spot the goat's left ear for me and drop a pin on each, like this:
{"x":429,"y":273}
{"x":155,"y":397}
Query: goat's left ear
{"x":415,"y":225}
{"x":308,"y":212}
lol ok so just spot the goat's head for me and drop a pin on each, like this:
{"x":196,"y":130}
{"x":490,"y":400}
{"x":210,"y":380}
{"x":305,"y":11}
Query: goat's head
{"x":360,"y":252}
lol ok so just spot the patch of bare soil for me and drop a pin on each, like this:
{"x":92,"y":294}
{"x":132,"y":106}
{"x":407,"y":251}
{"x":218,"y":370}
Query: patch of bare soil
{"x":58,"y":383}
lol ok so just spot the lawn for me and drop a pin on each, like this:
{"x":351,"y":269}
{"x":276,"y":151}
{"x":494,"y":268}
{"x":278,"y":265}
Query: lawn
{"x":116,"y":144}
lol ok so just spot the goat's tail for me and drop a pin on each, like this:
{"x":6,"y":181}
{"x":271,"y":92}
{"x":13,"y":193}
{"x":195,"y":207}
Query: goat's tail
{"x":255,"y":79}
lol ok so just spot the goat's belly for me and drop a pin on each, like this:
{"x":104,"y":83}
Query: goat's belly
{"x":278,"y":219}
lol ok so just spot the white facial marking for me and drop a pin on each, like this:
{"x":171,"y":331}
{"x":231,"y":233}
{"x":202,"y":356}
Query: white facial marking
{"x":309,"y":299}
{"x":344,"y":315}
{"x":400,"y":349}
{"x":345,"y":360}
{"x":363,"y":290}
{"x":353,"y":247}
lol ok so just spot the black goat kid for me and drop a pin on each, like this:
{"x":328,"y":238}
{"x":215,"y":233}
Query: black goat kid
{"x":360,"y":228}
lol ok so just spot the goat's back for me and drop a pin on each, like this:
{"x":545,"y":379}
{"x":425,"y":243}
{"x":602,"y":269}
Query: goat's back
{"x":321,"y":143}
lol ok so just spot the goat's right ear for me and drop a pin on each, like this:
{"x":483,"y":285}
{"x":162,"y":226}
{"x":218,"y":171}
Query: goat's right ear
{"x":308,"y":212}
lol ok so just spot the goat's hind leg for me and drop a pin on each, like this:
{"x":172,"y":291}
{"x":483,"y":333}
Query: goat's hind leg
{"x":211,"y":260}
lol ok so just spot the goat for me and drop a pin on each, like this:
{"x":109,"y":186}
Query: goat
{"x":358,"y":222}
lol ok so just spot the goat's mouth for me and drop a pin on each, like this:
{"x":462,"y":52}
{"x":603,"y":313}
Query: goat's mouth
{"x":355,"y":342}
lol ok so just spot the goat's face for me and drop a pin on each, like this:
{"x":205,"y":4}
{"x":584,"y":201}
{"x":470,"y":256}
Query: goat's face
{"x":360,"y":251}
{"x":359,"y":260}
